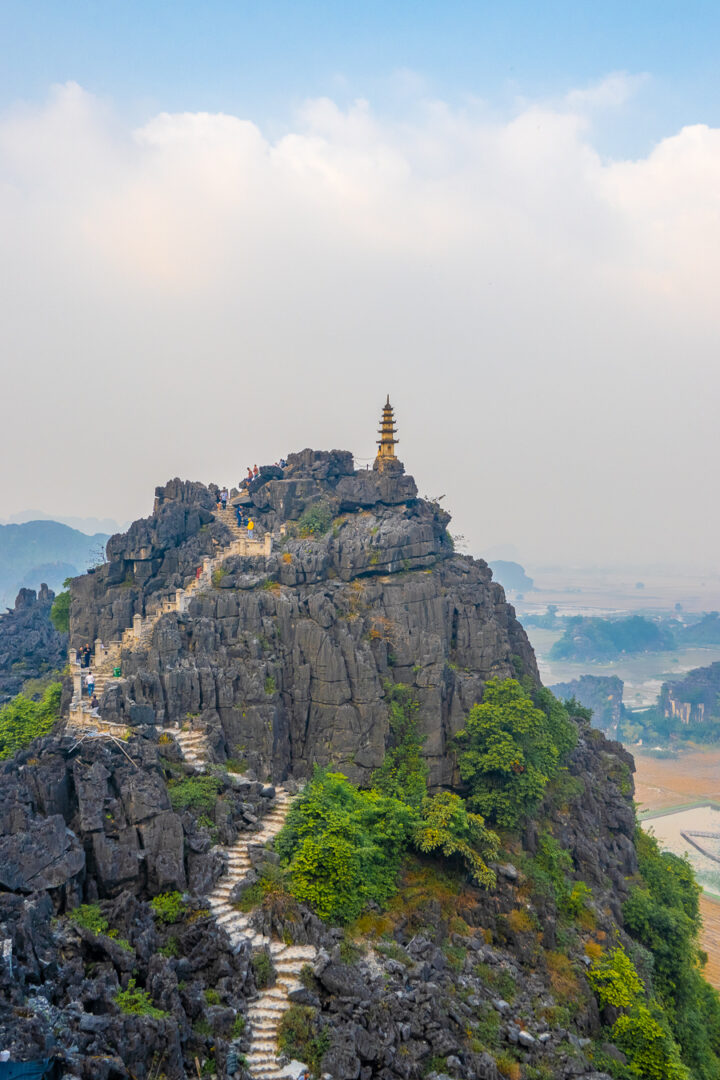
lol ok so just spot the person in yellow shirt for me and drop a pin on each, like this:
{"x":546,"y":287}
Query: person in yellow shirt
{"x":250,"y":525}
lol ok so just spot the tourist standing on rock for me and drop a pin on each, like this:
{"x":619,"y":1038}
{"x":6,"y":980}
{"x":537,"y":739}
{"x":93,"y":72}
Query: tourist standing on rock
{"x":224,"y":498}
{"x":255,"y":472}
{"x":249,"y":477}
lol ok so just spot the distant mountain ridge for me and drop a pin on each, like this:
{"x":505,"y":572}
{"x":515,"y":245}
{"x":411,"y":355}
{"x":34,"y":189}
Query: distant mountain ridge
{"x":44,"y":551}
{"x":89,"y":525}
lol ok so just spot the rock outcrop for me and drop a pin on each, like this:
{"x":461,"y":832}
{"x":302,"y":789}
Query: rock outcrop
{"x":284,"y":661}
{"x":30,"y":646}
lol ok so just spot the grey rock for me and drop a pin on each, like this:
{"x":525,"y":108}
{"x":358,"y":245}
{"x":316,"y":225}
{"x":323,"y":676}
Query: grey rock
{"x":614,"y":1052}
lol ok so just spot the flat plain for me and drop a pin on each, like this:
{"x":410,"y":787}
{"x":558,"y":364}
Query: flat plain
{"x":664,"y":783}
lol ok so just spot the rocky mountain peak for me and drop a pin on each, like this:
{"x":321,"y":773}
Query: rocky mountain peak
{"x":284,"y":661}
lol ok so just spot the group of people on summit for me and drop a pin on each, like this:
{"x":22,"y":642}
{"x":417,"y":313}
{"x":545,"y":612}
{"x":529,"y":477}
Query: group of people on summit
{"x":244,"y":520}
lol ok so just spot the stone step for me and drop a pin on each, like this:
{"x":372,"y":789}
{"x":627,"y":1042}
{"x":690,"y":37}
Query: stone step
{"x":267,"y":1011}
{"x":281,"y":951}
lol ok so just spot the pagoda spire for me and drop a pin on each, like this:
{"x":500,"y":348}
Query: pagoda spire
{"x":387,"y":441}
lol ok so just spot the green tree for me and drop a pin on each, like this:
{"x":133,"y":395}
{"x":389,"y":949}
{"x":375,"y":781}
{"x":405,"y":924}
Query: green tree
{"x":60,"y":612}
{"x":342,"y":846}
{"x":446,"y":826}
{"x":403,"y":773}
{"x":651,"y":1050}
{"x":22,"y":720}
{"x":614,"y":979}
{"x":663,"y":914}
{"x":510,"y":748}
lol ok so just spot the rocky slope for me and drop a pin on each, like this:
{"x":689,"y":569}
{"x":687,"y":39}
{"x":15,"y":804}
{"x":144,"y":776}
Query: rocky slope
{"x":30,"y":646}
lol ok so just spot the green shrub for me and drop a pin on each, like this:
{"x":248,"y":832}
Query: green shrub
{"x":315,"y":520}
{"x":403,"y":773}
{"x":576,"y":902}
{"x":342,"y":846}
{"x":238,"y":1028}
{"x":89,"y":917}
{"x":651,"y":1050}
{"x":235,"y":765}
{"x":510,"y":747}
{"x":263,"y":969}
{"x":22,"y":720}
{"x":614,"y":979}
{"x":487,"y":1027}
{"x":350,"y":953}
{"x":299,"y":1039}
{"x":445,"y":825}
{"x":549,"y":872}
{"x":198,"y":793}
{"x":137,"y":1002}
{"x":218,"y":575}
{"x":270,"y":686}
{"x":212,"y":997}
{"x":168,"y":907}
{"x":60,"y":612}
{"x":393,"y":951}
{"x":121,"y":941}
{"x":171,"y":948}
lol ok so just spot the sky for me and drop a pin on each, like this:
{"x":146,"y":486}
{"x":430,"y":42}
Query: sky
{"x":228,"y":230}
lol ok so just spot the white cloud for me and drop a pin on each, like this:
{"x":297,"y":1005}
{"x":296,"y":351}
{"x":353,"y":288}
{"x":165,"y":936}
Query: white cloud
{"x":188,"y":296}
{"x":610,"y":92}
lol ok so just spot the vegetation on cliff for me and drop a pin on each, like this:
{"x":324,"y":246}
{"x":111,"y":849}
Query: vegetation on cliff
{"x":662,"y":913}
{"x":23,"y":719}
{"x":60,"y":611}
{"x":511,"y":746}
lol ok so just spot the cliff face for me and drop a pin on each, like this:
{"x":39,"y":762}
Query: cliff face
{"x":601,"y":693}
{"x":283,"y":662}
{"x":692,"y":700}
{"x":30,"y":646}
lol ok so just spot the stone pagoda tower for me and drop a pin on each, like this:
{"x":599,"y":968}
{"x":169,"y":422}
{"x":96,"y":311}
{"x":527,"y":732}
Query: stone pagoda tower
{"x":386,"y":460}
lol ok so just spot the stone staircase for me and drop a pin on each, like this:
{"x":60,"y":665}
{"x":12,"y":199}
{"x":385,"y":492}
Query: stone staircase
{"x":264,"y":1014}
{"x":193,"y":744}
{"x":139,"y":636}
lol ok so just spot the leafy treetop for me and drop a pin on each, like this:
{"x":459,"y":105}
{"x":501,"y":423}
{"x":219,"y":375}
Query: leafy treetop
{"x":510,"y":747}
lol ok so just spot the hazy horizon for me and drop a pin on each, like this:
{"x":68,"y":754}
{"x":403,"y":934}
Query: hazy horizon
{"x":525,"y":257}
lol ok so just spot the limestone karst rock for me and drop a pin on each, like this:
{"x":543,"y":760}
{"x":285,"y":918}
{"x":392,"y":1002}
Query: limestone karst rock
{"x":280,"y":660}
{"x":30,"y":646}
{"x":285,"y":660}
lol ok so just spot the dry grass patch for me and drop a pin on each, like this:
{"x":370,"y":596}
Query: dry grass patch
{"x":563,"y":979}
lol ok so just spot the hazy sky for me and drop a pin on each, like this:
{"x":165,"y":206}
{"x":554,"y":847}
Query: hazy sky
{"x":228,"y":230}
